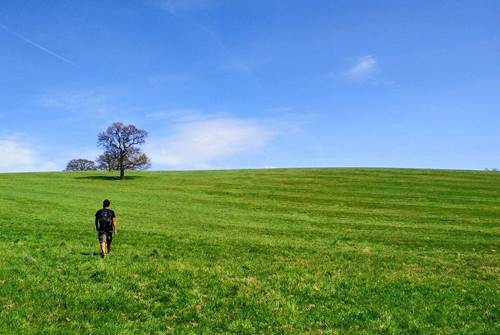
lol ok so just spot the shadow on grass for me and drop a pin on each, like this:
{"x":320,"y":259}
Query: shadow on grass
{"x":108,"y":177}
{"x":89,"y":253}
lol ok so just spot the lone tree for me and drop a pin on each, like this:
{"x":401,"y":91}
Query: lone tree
{"x":80,"y":164}
{"x":121,"y":147}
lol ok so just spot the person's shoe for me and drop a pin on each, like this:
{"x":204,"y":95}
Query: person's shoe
{"x":103,"y":255}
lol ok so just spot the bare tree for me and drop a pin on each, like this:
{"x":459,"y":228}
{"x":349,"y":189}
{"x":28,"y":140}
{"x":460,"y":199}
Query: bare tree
{"x":107,"y":161}
{"x":80,"y":164}
{"x":121,"y":143}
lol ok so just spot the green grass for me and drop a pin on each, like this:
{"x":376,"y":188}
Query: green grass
{"x":298,"y":251}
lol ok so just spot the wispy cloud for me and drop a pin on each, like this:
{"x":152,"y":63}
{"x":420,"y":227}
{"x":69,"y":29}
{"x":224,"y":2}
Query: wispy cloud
{"x":20,"y":156}
{"x":236,"y":66}
{"x":38,"y":46}
{"x":172,"y":79}
{"x":87,"y":102}
{"x":175,"y":6}
{"x":281,"y":110}
{"x":199,"y":144}
{"x":363,"y":69}
{"x":183,"y":115}
{"x":233,"y":63}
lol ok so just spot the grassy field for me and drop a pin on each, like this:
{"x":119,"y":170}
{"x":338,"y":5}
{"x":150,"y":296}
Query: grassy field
{"x":295,"y":251}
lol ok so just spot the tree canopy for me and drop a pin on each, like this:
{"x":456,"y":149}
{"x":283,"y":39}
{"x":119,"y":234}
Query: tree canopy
{"x":121,"y":148}
{"x":80,"y":164}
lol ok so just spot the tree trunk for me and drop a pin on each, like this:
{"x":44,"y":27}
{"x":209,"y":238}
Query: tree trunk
{"x":121,"y":164}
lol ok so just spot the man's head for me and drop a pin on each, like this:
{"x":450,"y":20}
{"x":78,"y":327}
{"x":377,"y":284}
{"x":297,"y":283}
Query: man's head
{"x":106,"y":203}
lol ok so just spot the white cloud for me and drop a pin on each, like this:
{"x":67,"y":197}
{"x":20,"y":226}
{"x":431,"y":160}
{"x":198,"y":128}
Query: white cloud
{"x":363,"y":69}
{"x":18,"y":156}
{"x":199,"y":144}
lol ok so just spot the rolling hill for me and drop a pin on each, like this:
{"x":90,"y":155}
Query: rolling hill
{"x":281,"y":251}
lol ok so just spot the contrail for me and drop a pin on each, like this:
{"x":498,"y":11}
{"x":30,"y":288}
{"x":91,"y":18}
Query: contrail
{"x":36,"y":45}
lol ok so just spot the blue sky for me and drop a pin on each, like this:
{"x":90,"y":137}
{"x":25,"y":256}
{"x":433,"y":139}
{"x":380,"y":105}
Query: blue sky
{"x":253,"y":84}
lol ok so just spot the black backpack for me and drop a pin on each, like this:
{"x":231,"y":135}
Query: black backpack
{"x":105,"y":220}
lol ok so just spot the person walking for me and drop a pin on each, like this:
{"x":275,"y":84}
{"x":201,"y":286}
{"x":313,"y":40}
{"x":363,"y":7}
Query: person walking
{"x":105,"y":224}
